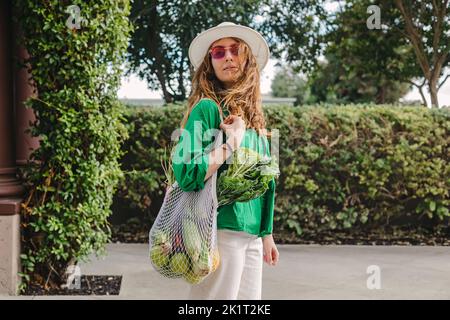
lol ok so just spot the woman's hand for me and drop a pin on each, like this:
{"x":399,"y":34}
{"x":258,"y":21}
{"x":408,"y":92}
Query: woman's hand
{"x":234,"y":128}
{"x":270,"y":250}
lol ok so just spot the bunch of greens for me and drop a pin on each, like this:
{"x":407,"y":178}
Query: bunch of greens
{"x":246,"y":178}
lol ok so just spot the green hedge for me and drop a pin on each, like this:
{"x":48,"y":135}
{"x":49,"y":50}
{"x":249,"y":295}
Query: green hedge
{"x":342,"y":167}
{"x":73,"y":174}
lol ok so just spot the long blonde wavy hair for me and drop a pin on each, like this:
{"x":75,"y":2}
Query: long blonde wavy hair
{"x":242,"y":99}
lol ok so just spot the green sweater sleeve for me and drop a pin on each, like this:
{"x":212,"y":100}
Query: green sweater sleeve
{"x":190,"y":159}
{"x":268,"y":203}
{"x":268,"y":208}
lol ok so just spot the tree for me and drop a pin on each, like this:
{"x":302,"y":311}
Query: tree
{"x":426,"y":25}
{"x":337,"y":81}
{"x":363,"y":65}
{"x":295,"y":31}
{"x":412,"y":45}
{"x":158,"y":50}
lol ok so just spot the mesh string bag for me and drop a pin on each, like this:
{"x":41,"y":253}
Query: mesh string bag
{"x":183,"y":238}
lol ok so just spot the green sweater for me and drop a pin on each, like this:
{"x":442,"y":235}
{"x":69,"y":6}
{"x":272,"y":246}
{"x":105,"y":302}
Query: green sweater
{"x":254,"y":216}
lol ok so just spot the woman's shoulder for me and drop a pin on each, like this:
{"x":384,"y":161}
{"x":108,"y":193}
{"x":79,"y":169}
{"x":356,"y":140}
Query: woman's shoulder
{"x":206,"y":103}
{"x":207,"y":107}
{"x":207,"y":111}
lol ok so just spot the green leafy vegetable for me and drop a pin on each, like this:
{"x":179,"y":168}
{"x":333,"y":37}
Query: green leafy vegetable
{"x":247,"y":177}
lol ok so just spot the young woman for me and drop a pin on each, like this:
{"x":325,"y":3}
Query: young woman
{"x":228,"y":59}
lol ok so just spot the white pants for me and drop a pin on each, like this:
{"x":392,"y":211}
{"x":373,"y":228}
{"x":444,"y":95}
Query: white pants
{"x":239,"y":274}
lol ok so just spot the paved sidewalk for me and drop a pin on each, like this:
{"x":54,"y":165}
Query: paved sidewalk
{"x":304,"y":272}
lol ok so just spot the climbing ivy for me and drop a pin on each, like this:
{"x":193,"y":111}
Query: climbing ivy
{"x":76,"y":49}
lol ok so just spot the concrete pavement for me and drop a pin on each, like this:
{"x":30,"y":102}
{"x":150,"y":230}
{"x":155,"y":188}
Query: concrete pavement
{"x":304,"y":272}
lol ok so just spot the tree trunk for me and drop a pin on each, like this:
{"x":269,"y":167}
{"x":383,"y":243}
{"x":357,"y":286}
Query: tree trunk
{"x":432,"y":85}
{"x":420,"y":88}
{"x":166,"y":94}
{"x":424,"y":100}
{"x":181,"y":86}
{"x":381,"y":96}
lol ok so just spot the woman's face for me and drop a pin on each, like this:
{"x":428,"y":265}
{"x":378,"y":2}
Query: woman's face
{"x":228,"y":67}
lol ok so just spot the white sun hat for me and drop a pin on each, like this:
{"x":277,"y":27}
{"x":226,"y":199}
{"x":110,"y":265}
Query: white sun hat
{"x":201,"y":43}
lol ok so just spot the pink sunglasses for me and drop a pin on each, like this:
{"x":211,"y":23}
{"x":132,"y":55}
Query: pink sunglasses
{"x":218,"y":52}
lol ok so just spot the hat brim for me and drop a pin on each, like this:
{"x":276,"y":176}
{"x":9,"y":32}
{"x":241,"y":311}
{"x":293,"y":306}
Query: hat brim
{"x":201,"y":43}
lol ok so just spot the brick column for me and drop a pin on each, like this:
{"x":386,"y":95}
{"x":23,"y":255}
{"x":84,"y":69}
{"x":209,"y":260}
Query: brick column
{"x":11,"y":189}
{"x":25,"y":143}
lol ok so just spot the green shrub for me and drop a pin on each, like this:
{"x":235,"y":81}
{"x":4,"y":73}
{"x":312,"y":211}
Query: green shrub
{"x":342,"y":167}
{"x":75,"y":171}
{"x":361,"y":166}
{"x":142,"y":186}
